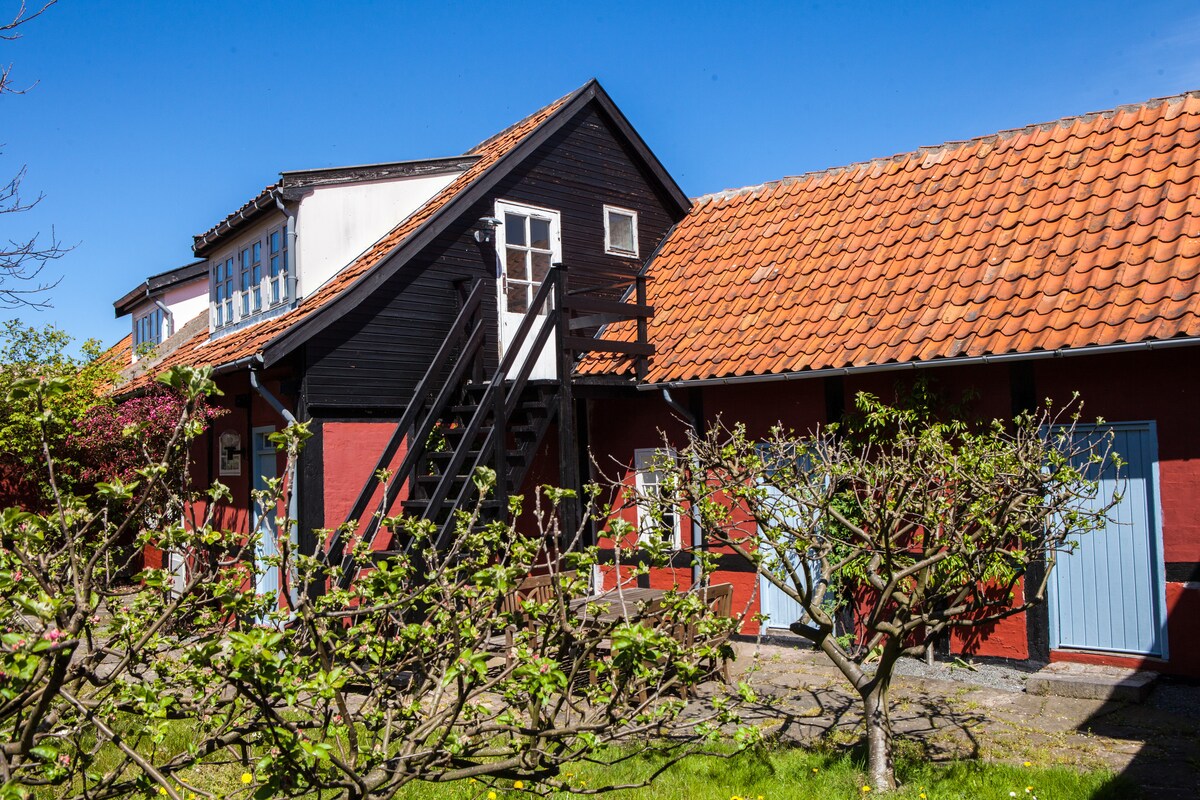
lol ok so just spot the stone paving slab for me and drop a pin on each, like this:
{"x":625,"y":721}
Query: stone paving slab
{"x":1088,"y":682}
{"x":1157,"y":746}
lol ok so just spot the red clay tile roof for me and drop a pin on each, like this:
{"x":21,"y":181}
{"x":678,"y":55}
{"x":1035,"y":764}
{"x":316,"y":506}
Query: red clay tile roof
{"x":1084,"y":231}
{"x":250,"y":340}
{"x":119,"y":355}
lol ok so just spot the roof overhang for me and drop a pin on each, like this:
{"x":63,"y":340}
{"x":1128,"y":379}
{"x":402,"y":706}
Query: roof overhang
{"x":908,"y":366}
{"x":157,"y":284}
{"x":295,"y":184}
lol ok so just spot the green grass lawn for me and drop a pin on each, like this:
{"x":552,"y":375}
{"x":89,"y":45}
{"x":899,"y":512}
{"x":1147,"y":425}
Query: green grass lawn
{"x":772,"y":773}
{"x":797,"y":774}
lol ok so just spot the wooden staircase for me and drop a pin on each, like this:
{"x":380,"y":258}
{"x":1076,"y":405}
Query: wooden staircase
{"x":441,"y":463}
{"x":462,"y":418}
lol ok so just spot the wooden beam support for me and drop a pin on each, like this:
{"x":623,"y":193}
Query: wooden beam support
{"x":599,"y":305}
{"x":568,"y":456}
{"x":584,"y":344}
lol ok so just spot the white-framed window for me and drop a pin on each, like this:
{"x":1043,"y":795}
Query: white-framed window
{"x":277,"y":250}
{"x":244,"y":283}
{"x":658,"y":519}
{"x":620,"y":232}
{"x":530,"y":241}
{"x":147,"y":329}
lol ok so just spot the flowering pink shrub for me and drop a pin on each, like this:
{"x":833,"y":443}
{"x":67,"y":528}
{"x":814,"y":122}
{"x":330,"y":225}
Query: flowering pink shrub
{"x":113,"y":441}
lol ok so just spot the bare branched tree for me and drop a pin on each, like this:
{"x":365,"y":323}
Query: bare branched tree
{"x":22,"y":259}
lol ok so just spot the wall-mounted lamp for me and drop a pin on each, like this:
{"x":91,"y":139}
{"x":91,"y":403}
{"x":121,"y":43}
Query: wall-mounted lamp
{"x":485,"y":233}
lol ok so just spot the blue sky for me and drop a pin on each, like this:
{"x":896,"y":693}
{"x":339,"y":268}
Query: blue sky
{"x":150,"y":121}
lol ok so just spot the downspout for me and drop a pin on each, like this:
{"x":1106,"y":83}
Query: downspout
{"x":293,"y":274}
{"x":697,"y":535}
{"x":290,"y":418}
{"x":167,"y":313}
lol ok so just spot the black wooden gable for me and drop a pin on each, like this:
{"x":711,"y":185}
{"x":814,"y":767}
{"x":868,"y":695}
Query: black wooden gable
{"x":372,"y":352}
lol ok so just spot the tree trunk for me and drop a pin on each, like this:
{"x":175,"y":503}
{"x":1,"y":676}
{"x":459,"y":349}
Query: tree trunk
{"x":881,"y":772}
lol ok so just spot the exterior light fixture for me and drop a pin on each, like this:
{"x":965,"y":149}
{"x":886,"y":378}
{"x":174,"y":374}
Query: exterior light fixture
{"x":485,"y":233}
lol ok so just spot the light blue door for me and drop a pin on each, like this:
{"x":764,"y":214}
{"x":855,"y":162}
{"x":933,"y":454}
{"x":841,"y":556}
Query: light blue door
{"x":776,"y":605}
{"x":262,"y":519}
{"x":1108,"y":594}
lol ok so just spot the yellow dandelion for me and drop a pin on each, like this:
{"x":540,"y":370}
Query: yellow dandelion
{"x":921,"y":795}
{"x":491,"y":796}
{"x":162,"y":790}
{"x":815,"y":770}
{"x":247,"y":777}
{"x":518,"y":785}
{"x":866,"y":788}
{"x":1029,"y":763}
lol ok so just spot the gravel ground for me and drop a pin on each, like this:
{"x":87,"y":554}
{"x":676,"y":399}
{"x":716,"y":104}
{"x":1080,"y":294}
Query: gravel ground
{"x":994,"y":675}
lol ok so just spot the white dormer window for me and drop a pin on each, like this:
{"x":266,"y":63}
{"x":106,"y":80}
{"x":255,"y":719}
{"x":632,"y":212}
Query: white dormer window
{"x":620,"y":232}
{"x":147,"y":329}
{"x":251,"y":280}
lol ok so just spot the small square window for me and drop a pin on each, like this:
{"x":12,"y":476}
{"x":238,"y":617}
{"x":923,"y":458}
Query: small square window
{"x":620,"y":232}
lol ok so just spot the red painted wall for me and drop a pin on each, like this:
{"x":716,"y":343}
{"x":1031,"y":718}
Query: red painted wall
{"x":351,"y":451}
{"x":1161,"y":385}
{"x":244,"y":410}
{"x":1164,"y":386}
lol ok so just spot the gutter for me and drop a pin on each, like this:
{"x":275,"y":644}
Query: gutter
{"x":1063,"y":352}
{"x":293,"y":273}
{"x":255,"y":363}
{"x":166,"y":313}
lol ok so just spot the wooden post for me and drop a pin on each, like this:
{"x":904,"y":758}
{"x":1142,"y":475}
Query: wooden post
{"x":641,"y":363}
{"x":568,"y":463}
{"x":500,"y":443}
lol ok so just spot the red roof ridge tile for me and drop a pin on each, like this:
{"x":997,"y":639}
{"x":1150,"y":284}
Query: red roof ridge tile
{"x":948,"y":146}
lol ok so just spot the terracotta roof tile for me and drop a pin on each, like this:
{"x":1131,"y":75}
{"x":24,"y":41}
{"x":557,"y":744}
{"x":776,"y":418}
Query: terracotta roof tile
{"x":248,"y":341}
{"x":1066,"y":234}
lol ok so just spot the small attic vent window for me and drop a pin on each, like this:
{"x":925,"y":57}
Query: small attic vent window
{"x":620,"y":232}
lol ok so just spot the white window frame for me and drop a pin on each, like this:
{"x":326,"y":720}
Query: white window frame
{"x":645,"y":479}
{"x":609,"y":249}
{"x":145,"y":323}
{"x":530,"y":212}
{"x":248,"y":299}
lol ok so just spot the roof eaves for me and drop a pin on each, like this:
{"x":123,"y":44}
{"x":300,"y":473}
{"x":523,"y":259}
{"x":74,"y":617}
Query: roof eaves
{"x":265,"y":200}
{"x":940,"y":361}
{"x":373,"y":172}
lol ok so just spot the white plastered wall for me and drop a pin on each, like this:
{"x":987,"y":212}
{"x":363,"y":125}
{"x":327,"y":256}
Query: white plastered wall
{"x":336,"y":223}
{"x":184,"y":302}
